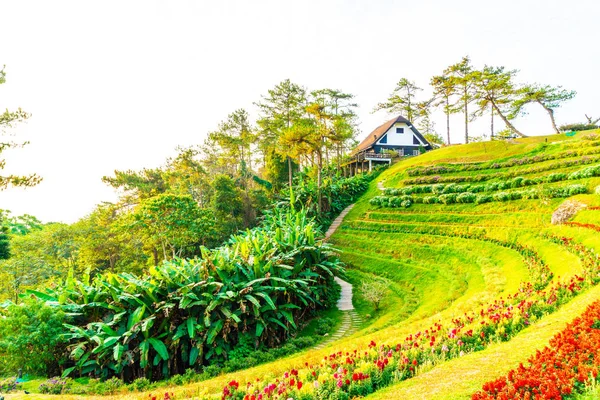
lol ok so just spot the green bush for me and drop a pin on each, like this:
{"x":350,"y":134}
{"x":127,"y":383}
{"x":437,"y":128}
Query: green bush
{"x":466,"y":197}
{"x":483,"y":198}
{"x":324,"y":325}
{"x":501,"y":196}
{"x":588,"y":172}
{"x":449,"y":198}
{"x":577,"y":127}
{"x":56,"y":386}
{"x":31,"y":339}
{"x":9,"y":385}
{"x":141,"y":384}
{"x":109,"y":386}
{"x":431,"y":200}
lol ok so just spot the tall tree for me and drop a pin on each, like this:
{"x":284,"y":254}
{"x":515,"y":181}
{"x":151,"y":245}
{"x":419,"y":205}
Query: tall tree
{"x":549,"y":97}
{"x":280,"y":109}
{"x":402,"y":100}
{"x":235,"y":137}
{"x":443,"y":90}
{"x":8,"y":119}
{"x":494,"y":89}
{"x":461,"y":76}
{"x":338,"y":114}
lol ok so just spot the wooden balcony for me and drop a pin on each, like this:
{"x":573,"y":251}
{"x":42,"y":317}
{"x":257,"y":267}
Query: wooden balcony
{"x":373,"y":156}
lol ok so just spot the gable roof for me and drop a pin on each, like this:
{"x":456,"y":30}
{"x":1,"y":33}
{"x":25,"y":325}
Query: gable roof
{"x":378,"y":133}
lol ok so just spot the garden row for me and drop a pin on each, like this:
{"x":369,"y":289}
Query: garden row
{"x":345,"y":375}
{"x":469,"y":197}
{"x":501,"y":175}
{"x":513,"y":162}
{"x":514,"y":183}
{"x":559,"y":370}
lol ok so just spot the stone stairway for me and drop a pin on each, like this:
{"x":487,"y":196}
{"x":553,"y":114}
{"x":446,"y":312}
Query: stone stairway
{"x":351,"y":321}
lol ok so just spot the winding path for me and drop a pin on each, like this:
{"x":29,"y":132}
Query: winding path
{"x":350,"y":318}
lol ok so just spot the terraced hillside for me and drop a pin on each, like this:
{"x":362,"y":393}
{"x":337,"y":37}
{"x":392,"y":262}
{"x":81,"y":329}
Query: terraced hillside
{"x":478,"y":276}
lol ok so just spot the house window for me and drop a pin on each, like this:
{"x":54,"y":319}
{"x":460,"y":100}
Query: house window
{"x":399,"y":130}
{"x":383,"y":139}
{"x":401,"y":152}
{"x":416,"y":152}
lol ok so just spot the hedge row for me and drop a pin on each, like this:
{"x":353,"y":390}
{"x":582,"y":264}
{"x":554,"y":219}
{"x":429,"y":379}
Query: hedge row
{"x":513,"y":183}
{"x":500,"y":175}
{"x":470,"y":197}
{"x":513,"y":162}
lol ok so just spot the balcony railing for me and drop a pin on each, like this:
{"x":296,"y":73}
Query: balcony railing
{"x":363,"y":156}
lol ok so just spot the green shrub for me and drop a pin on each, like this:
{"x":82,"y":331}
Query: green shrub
{"x":141,"y":384}
{"x":437,"y":189}
{"x":588,"y":172}
{"x":56,"y":386}
{"x":501,"y":196}
{"x":431,"y":200}
{"x":109,"y":386}
{"x":31,"y":325}
{"x":483,"y":198}
{"x":466,"y":197}
{"x":324,"y":325}
{"x":406,"y":203}
{"x":577,"y":127}
{"x":556,"y":177}
{"x":9,"y":385}
{"x":449,"y":198}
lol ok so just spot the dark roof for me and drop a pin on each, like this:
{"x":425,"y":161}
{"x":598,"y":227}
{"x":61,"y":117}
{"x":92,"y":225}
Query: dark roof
{"x":374,"y":136}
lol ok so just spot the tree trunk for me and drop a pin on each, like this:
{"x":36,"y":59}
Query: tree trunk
{"x":448,"y":119}
{"x":507,"y":122}
{"x":551,"y":113}
{"x":466,"y":117}
{"x":492,"y":123}
{"x":289,"y":160}
{"x":319,"y":182}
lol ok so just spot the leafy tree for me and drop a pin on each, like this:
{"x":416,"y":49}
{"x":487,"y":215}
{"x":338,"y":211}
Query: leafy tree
{"x":374,"y":292}
{"x":107,"y":242}
{"x":171,"y":223}
{"x":138,"y":186}
{"x":494,"y":89}
{"x":280,"y":109}
{"x":7,"y":120}
{"x":227,"y":204}
{"x":549,"y":97}
{"x":4,"y":242}
{"x":443,"y":90}
{"x":234,"y":137}
{"x":461,"y":76}
{"x":31,"y":339}
{"x":402,"y":100}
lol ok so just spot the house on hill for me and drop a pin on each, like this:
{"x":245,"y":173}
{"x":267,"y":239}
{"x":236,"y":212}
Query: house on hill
{"x":397,"y":135}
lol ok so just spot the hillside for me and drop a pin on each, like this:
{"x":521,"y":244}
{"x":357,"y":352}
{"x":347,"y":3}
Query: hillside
{"x":478,"y":277}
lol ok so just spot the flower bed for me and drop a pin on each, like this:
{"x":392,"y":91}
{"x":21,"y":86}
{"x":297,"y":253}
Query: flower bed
{"x":514,"y":183}
{"x":513,"y":162}
{"x":586,"y":226}
{"x":355,"y":373}
{"x":561,"y":369}
{"x":501,"y":175}
{"x":406,"y":201}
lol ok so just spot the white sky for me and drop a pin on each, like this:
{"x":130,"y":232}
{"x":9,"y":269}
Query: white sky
{"x":119,"y":84}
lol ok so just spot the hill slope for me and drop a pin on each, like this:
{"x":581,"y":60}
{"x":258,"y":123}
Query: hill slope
{"x":475,"y":269}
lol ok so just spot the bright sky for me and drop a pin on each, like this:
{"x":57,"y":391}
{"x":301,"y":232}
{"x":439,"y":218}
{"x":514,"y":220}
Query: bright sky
{"x":120,"y":84}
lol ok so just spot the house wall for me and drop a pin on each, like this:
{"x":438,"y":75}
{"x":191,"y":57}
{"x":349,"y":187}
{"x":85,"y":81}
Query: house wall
{"x":399,"y":139}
